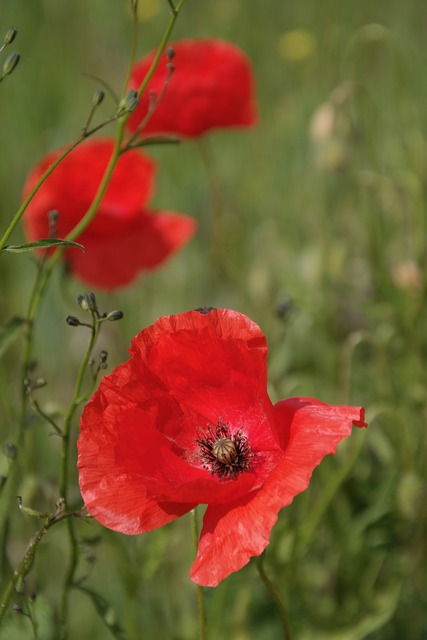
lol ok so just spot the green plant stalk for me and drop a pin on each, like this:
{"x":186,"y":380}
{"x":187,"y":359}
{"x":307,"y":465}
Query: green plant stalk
{"x":199,"y":589}
{"x":28,"y":559}
{"x":217,"y":211}
{"x":63,"y":482}
{"x":274,"y":596}
{"x":18,"y":215}
{"x":133,"y":46}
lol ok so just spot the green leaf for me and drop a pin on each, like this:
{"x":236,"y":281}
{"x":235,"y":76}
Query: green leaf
{"x":44,"y":243}
{"x":106,"y":613}
{"x":10,"y":332}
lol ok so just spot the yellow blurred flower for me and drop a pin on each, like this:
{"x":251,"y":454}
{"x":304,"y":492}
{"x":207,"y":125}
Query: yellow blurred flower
{"x":148,"y":9}
{"x":297,"y":45}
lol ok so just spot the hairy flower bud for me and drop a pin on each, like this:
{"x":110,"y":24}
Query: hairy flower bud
{"x":10,"y":36}
{"x":72,"y":321}
{"x":87,"y":301}
{"x":115,"y":315}
{"x":9,"y":450}
{"x":103,"y":355}
{"x":10,"y":63}
{"x":98,"y":97}
{"x":129,"y":102}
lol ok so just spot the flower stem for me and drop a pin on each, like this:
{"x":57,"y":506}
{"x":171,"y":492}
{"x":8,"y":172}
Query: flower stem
{"x":63,"y":481}
{"x":274,"y":596}
{"x":18,"y":215}
{"x":28,"y":558}
{"x":217,"y":212}
{"x":199,"y":589}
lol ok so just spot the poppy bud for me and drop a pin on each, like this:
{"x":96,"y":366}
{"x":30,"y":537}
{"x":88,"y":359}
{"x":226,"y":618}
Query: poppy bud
{"x":103,"y":355}
{"x":130,"y":102}
{"x":115,"y":315}
{"x":87,"y":301}
{"x":40,"y":382}
{"x":10,"y":36}
{"x":72,"y":321}
{"x":53,"y":217}
{"x":9,"y":450}
{"x":10,"y":63}
{"x":98,"y":97}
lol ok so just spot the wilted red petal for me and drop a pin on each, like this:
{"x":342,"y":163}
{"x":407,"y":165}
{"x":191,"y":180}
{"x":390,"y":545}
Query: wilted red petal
{"x":232,"y":534}
{"x":212,"y":86}
{"x":118,"y":251}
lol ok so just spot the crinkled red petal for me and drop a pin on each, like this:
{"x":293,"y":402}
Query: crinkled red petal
{"x":212,"y":86}
{"x":115,"y":495}
{"x":232,"y":534}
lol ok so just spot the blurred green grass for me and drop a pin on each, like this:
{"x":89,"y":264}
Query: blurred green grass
{"x":329,"y":213}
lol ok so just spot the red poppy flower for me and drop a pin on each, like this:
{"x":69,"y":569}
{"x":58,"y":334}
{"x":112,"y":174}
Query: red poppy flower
{"x":123,"y":238}
{"x":212,"y":86}
{"x":186,"y":421}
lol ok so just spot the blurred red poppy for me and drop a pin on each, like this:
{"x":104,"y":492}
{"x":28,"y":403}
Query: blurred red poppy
{"x":124,"y":238}
{"x":186,"y":421}
{"x":212,"y":86}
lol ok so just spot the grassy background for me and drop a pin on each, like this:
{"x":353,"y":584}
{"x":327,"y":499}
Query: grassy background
{"x":324,"y":216}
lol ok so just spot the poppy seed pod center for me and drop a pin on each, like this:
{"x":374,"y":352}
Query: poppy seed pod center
{"x":224,"y":454}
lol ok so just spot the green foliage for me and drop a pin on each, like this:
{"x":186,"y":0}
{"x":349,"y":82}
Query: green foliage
{"x":45,"y":243}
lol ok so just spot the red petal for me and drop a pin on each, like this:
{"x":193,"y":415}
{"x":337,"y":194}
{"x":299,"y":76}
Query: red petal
{"x":116,"y":253}
{"x":115,"y":496}
{"x":72,"y":186}
{"x":212,"y":86}
{"x":231,"y":536}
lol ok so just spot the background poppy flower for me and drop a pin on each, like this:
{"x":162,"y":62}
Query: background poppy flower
{"x":123,"y":238}
{"x":212,"y":86}
{"x":186,"y":421}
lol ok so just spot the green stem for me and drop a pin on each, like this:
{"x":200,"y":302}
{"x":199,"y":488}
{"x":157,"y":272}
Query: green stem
{"x":199,"y":589}
{"x":18,"y":215}
{"x":76,"y":400}
{"x":217,"y":213}
{"x":274,"y":596}
{"x":28,"y":559}
{"x":134,"y":42}
{"x":63,"y":482}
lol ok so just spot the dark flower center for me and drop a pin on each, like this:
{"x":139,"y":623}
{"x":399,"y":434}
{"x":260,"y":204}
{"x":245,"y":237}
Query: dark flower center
{"x":224,"y":454}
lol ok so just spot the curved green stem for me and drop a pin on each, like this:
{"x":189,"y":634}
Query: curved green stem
{"x":63,"y":481}
{"x":18,"y":215}
{"x":28,"y":558}
{"x":199,"y":589}
{"x":274,"y":596}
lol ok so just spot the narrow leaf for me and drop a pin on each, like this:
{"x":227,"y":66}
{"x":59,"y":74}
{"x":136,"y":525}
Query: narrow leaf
{"x":10,"y":332}
{"x":106,"y":613}
{"x":44,"y":243}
